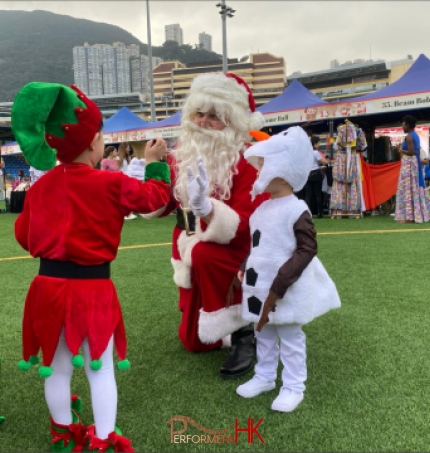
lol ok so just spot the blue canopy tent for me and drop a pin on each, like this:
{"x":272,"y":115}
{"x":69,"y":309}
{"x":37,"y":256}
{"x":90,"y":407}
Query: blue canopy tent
{"x":408,"y":95}
{"x":294,"y":97}
{"x":170,"y":121}
{"x":123,"y":120}
{"x":415,"y":80}
{"x":289,"y":107}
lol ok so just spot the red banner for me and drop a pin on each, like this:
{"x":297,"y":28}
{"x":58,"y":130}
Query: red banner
{"x":380,"y":182}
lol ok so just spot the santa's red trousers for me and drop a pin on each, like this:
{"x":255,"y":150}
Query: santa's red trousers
{"x":213,"y":269}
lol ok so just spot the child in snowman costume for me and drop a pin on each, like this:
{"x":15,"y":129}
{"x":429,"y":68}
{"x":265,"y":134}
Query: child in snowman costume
{"x":284,"y":284}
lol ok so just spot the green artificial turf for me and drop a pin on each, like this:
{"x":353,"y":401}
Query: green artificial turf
{"x":368,"y":362}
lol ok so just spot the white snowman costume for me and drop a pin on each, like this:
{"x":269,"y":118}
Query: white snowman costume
{"x":287,"y":155}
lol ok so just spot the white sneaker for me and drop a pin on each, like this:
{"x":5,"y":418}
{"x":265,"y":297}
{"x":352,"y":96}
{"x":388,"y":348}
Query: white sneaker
{"x":254,"y":387}
{"x":287,"y":401}
{"x":131,"y":216}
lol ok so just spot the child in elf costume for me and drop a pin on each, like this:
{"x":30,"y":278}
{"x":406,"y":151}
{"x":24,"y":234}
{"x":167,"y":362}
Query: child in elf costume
{"x":72,"y":221}
{"x":284,"y":284}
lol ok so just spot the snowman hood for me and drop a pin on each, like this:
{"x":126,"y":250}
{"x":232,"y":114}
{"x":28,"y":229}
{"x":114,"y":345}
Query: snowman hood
{"x":287,"y":155}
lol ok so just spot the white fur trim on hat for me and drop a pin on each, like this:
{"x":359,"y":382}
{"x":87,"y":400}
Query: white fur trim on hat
{"x":229,"y":99}
{"x":181,"y":273}
{"x":256,"y":121}
{"x":223,"y":225}
{"x":216,"y":325}
{"x":287,"y":155}
{"x":220,"y":86}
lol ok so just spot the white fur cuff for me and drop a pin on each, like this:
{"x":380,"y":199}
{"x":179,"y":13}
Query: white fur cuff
{"x":185,"y":246}
{"x":181,"y":273}
{"x":216,"y":325}
{"x":223,"y":225}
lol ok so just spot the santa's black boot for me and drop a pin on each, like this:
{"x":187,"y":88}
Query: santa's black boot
{"x":241,"y":358}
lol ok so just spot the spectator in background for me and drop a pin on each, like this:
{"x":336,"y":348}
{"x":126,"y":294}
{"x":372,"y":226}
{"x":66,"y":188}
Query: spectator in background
{"x":109,"y":161}
{"x":313,"y":187}
{"x":124,"y":156}
{"x":20,"y":178}
{"x":2,"y":181}
{"x":35,"y":174}
{"x":412,"y":200}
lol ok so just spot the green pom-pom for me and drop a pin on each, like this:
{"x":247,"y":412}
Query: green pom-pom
{"x":95,"y":365}
{"x":78,"y":361}
{"x":34,"y":360}
{"x":45,"y":371}
{"x":2,"y":419}
{"x":123,"y":365}
{"x":23,"y":365}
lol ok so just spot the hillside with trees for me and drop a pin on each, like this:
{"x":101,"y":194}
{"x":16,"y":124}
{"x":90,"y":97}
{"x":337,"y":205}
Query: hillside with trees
{"x":38,"y":46}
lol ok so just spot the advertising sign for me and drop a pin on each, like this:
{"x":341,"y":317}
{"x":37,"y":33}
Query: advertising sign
{"x":142,"y":134}
{"x":8,"y":150}
{"x":348,"y":109}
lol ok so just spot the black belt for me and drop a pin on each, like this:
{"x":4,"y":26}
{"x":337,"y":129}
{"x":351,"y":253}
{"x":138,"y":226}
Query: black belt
{"x":180,"y":221}
{"x":68,"y":269}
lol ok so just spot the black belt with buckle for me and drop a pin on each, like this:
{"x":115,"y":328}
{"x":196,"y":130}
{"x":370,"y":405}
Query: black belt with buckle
{"x":184,"y":217}
{"x":68,"y":269}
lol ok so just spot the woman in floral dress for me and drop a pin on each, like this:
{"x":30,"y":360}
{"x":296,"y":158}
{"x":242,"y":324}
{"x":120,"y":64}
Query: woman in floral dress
{"x":412,"y":199}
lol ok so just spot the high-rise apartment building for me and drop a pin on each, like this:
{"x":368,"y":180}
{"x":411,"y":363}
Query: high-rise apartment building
{"x":122,"y":61}
{"x":173,"y":32}
{"x":107,"y":69}
{"x":144,"y":64}
{"x":80,"y":68}
{"x":205,"y":41}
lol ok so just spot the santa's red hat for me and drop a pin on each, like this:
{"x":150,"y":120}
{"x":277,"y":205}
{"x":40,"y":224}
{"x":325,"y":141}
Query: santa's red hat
{"x":229,"y":94}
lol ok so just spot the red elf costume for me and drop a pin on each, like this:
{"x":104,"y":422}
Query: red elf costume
{"x":72,"y":220}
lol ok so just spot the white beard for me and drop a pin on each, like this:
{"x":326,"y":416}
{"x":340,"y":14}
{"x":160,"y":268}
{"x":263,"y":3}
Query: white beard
{"x":220,"y":152}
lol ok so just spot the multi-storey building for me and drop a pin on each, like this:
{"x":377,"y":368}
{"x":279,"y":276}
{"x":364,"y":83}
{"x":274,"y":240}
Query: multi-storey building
{"x":109,"y":72}
{"x":144,"y":65}
{"x":173,"y":32}
{"x":352,"y":79}
{"x":264,"y":73}
{"x":104,"y":69}
{"x":122,"y":61}
{"x":80,"y":68}
{"x":205,"y":41}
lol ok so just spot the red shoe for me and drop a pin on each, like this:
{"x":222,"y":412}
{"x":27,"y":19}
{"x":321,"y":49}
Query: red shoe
{"x":114,"y":442}
{"x":66,"y":438}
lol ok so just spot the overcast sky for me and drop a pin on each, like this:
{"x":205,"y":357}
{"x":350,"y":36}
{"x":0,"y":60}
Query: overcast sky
{"x":308,"y":34}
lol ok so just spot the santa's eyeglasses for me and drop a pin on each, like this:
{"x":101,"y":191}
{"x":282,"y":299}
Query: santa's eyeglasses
{"x":210,"y":117}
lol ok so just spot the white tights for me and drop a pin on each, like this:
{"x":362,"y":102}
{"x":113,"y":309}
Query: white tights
{"x":102,"y":382}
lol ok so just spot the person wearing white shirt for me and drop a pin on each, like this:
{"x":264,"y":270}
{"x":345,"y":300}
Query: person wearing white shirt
{"x":313,"y":187}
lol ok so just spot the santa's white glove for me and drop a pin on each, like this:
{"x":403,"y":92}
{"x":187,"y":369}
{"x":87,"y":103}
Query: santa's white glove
{"x":197,"y":187}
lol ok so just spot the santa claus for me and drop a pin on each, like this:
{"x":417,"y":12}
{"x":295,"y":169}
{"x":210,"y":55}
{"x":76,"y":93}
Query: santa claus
{"x":212,"y":193}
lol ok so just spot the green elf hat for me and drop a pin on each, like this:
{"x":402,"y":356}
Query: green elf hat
{"x":52,"y":121}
